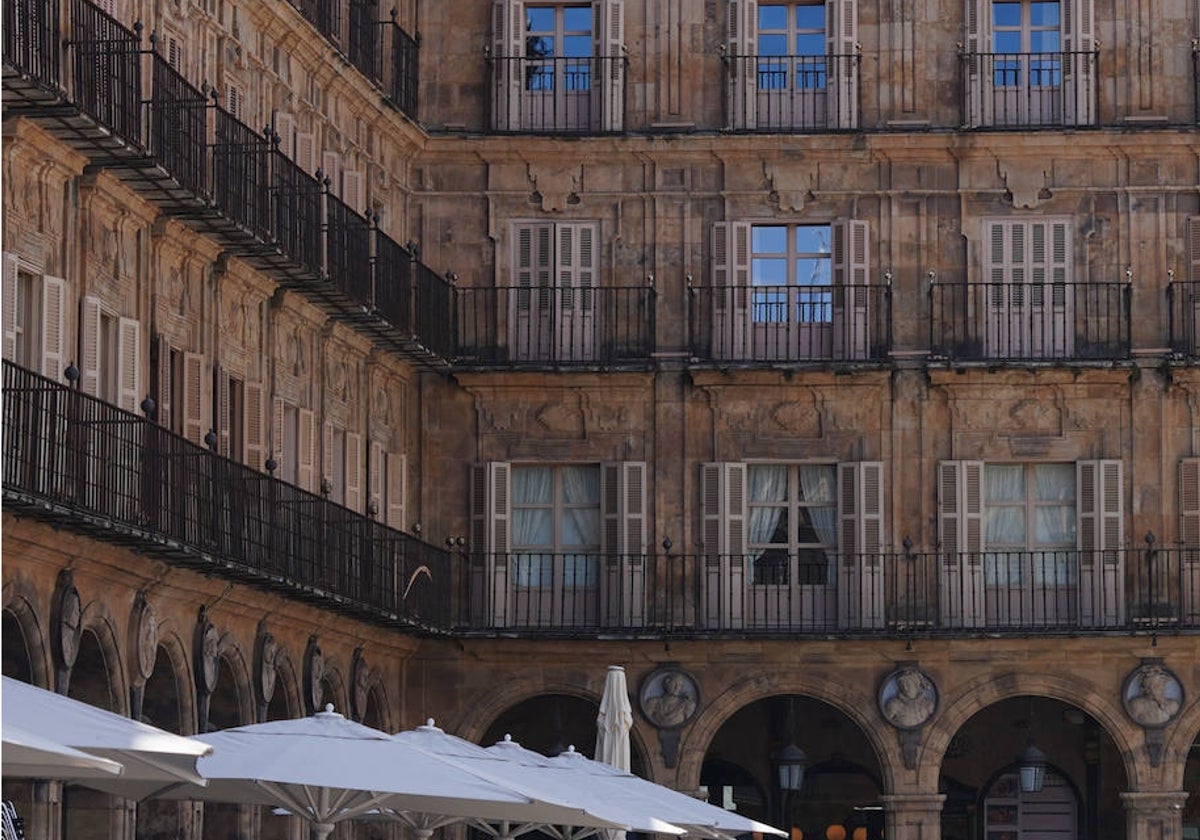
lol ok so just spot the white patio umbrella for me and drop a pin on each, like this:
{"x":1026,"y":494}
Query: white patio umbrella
{"x":327,"y":769}
{"x":557,"y":810}
{"x":614,"y":721}
{"x":152,"y":758}
{"x":28,"y":755}
{"x":599,"y":783}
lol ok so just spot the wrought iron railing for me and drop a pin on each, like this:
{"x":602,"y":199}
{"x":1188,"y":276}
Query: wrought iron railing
{"x":107,"y":70}
{"x":241,"y":160}
{"x":88,"y":465}
{"x":348,"y":250}
{"x":31,"y":37}
{"x":434,"y":308}
{"x":296,"y":200}
{"x":793,"y":93}
{"x":404,"y":71}
{"x":364,"y":39}
{"x":1030,"y":90}
{"x":554,"y":326}
{"x":179,"y":127}
{"x":872,"y":594}
{"x":1183,"y":301}
{"x":394,"y":283}
{"x":1030,"y":321}
{"x":754,"y":324}
{"x":557,"y":94}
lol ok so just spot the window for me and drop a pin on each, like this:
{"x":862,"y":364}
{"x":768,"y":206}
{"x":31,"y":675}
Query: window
{"x":555,"y":511}
{"x":1031,"y":543}
{"x":110,"y":355}
{"x":792,"y":514}
{"x":294,"y":444}
{"x":179,"y":392}
{"x":1029,"y":297}
{"x":342,"y":465}
{"x":552,"y":302}
{"x":558,"y":67}
{"x":788,"y":292}
{"x":1030,"y":62}
{"x":793,"y":66}
{"x":388,"y":477}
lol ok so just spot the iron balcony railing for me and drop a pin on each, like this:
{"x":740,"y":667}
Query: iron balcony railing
{"x":544,"y":326}
{"x":890,"y":594}
{"x":178,"y":118}
{"x":760,"y":324}
{"x":1183,"y":300}
{"x":364,"y":39}
{"x":793,"y":93}
{"x":557,"y":94}
{"x":348,"y":250}
{"x":86,"y":464}
{"x":1030,"y":90}
{"x":1030,"y":321}
{"x":32,"y":31}
{"x":107,"y":70}
{"x":404,"y":70}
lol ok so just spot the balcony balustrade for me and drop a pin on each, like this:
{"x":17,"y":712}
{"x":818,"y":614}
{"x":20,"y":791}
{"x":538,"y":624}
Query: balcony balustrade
{"x":348,"y":250}
{"x":872,"y":594}
{"x":31,"y":45}
{"x":87,"y":465}
{"x":551,"y":327}
{"x":179,"y":129}
{"x":558,"y":94}
{"x":747,"y":325}
{"x":1183,"y":300}
{"x":793,"y":93}
{"x":1051,"y":321}
{"x":1030,"y":90}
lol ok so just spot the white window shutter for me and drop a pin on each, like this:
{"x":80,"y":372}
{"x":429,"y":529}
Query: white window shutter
{"x":277,"y":451}
{"x":326,"y":451}
{"x":254,"y":427}
{"x":165,"y":384}
{"x":193,"y":398}
{"x":1079,"y":81}
{"x":842,"y":44}
{"x":331,"y":168}
{"x":623,"y":500}
{"x":395,"y":512}
{"x":1193,"y":249}
{"x":850,"y":267}
{"x":234,"y":100}
{"x":306,"y":152}
{"x":89,"y":350}
{"x":725,"y":502}
{"x":960,"y":541}
{"x":533,"y":255}
{"x":54,"y":329}
{"x":285,"y":127}
{"x":490,"y":518}
{"x":859,"y":565}
{"x":1189,"y":505}
{"x":376,"y":477}
{"x":508,"y":46}
{"x":224,"y":418}
{"x":731,"y":280}
{"x":354,"y":471}
{"x":978,"y":67}
{"x":306,"y":445}
{"x":611,"y":42}
{"x":742,"y":47}
{"x":129,"y":364}
{"x":352,"y":190}
{"x":731,"y":254}
{"x":1101,"y":535}
{"x":11,"y":279}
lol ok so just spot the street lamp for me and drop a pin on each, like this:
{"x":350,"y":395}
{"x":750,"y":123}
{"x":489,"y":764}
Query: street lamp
{"x":1031,"y":768}
{"x":791,"y":761}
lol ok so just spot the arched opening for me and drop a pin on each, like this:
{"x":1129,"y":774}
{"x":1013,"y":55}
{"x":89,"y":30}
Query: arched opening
{"x":272,"y":826}
{"x":222,"y":820}
{"x":160,"y":818}
{"x":89,"y":814}
{"x":841,"y":782}
{"x":18,"y":665}
{"x":1079,"y":796}
{"x":1191,"y":782}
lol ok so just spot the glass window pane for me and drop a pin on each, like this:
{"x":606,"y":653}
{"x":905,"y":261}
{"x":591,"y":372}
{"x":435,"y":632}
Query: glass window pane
{"x":770,"y":239}
{"x":539,"y":18}
{"x":817,"y":483}
{"x":1056,"y":525}
{"x":1054,"y":482}
{"x":581,"y":485}
{"x":532,"y":485}
{"x":1004,"y":482}
{"x":811,"y":272}
{"x":772,"y":45}
{"x":811,"y":17}
{"x":577,"y":19}
{"x":769,"y":272}
{"x":1044,"y":42}
{"x":581,"y":527}
{"x":812,"y":239}
{"x":810,"y":45}
{"x":1006,"y":14}
{"x":533,"y":570}
{"x":772,"y":17}
{"x":768,"y":482}
{"x":1005,"y":526}
{"x":1007,"y":42}
{"x":1043,"y":14}
{"x":577,"y":46}
{"x":532,"y":527}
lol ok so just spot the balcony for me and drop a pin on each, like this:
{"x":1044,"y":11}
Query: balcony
{"x":1030,"y":90}
{"x":548,"y":327}
{"x":558,"y":95}
{"x":87,"y":466}
{"x":891,"y":595}
{"x":1183,"y":300}
{"x":755,"y":325}
{"x":1005,"y":322}
{"x":793,"y":93}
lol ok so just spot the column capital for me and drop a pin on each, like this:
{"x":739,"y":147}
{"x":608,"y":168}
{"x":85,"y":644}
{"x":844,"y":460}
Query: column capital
{"x":1154,"y":800}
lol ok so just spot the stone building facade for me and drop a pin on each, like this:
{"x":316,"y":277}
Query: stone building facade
{"x":832,"y":367}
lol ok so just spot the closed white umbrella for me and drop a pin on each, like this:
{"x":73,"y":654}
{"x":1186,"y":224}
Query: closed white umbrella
{"x":152,"y":758}
{"x":28,"y":755}
{"x":614,"y":721}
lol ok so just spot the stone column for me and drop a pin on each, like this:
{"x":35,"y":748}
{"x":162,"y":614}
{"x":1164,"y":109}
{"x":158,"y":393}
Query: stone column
{"x":913,"y":816}
{"x":1154,"y":815}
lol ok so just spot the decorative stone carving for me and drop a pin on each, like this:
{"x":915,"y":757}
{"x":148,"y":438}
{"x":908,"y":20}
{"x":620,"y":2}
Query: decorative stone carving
{"x":908,"y":698}
{"x":789,"y":187}
{"x":560,"y":419}
{"x":1152,"y":695}
{"x":557,"y":185}
{"x":1027,"y":185}
{"x":266,"y":662}
{"x":796,"y":419}
{"x":360,"y":675}
{"x":207,"y":646}
{"x":67,"y":620}
{"x":314,"y":670}
{"x":144,"y":627}
{"x":669,"y":698}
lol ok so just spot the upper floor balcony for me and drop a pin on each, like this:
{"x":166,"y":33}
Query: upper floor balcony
{"x":1029,"y":90}
{"x":1183,"y":298}
{"x":85,"y":465}
{"x":1047,"y":320}
{"x":558,"y":94}
{"x":793,"y":93}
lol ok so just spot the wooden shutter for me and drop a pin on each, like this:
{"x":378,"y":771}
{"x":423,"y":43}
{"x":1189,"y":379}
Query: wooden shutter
{"x":742,"y":31}
{"x":129,"y":364}
{"x":165,"y":374}
{"x":978,"y":68}
{"x":306,"y":152}
{"x":860,"y":540}
{"x":610,"y":35}
{"x":1100,"y":496}
{"x":174,"y":54}
{"x":331,"y":168}
{"x":254,"y":426}
{"x":1191,"y":299}
{"x":395,"y":511}
{"x":531,"y":312}
{"x":54,"y":328}
{"x":285,"y":127}
{"x":850,"y":266}
{"x":842,"y":43}
{"x":731,"y":290}
{"x":234,"y":99}
{"x":277,"y":452}
{"x":960,"y":540}
{"x":306,"y":455}
{"x":354,"y":472}
{"x":491,"y":491}
{"x":1189,"y":506}
{"x":352,"y":190}
{"x":508,"y":74}
{"x":326,"y":451}
{"x":193,"y":397}
{"x":89,"y":346}
{"x":1079,"y":71}
{"x":376,"y":478}
{"x":723,"y":507}
{"x":575,"y":282}
{"x":12,"y":277}
{"x":623,"y":496}
{"x":224,"y":407}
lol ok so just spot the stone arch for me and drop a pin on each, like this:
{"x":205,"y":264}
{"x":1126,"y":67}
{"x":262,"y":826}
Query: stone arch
{"x":847,"y":698}
{"x":232,"y":654}
{"x":19,"y":602}
{"x":1184,"y":733}
{"x":973,"y":696}
{"x":335,"y":684}
{"x":97,"y":619}
{"x":377,"y":699}
{"x":479,"y":714}
{"x":178,"y":655}
{"x":287,"y":681}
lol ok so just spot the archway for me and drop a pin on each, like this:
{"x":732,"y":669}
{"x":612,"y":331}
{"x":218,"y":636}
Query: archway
{"x":841,"y":785}
{"x":1191,"y":782}
{"x":1078,"y":798}
{"x":222,"y":821}
{"x":18,"y":665}
{"x":161,"y":707}
{"x":89,"y":814}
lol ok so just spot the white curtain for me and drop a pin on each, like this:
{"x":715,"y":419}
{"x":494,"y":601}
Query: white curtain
{"x":1056,"y":524}
{"x":581,"y":525}
{"x":1004,"y":525}
{"x":532,"y":526}
{"x":767,"y":484}
{"x":816,"y":483}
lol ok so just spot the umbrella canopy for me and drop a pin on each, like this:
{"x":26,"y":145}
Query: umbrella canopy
{"x":614,"y":721}
{"x":599,"y":783}
{"x":152,"y":758}
{"x":28,"y":755}
{"x":553,"y":810}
